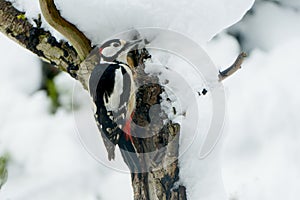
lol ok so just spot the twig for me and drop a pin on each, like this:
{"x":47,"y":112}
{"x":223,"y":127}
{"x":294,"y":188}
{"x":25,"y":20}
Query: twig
{"x":233,"y":68}
{"x":79,"y":41}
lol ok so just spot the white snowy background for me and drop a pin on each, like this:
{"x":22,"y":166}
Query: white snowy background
{"x":261,"y":144}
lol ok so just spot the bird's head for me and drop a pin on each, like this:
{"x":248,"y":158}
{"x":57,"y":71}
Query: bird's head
{"x":115,"y":49}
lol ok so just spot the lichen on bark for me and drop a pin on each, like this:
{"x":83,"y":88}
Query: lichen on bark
{"x":36,"y":39}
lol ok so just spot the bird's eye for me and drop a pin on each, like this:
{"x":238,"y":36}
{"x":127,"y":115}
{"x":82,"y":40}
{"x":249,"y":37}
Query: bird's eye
{"x":115,"y":44}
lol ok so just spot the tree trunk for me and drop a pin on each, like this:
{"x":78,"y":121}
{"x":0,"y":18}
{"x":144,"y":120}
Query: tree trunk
{"x":157,"y":143}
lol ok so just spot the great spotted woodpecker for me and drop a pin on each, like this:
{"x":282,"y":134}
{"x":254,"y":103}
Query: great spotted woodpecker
{"x":112,"y":88}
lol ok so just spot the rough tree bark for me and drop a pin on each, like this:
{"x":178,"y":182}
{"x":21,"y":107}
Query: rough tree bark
{"x":161,"y":172}
{"x":36,"y":39}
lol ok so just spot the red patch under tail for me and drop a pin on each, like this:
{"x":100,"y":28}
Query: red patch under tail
{"x":127,"y":129}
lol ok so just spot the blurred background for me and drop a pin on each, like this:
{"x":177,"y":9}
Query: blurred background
{"x":260,"y":157}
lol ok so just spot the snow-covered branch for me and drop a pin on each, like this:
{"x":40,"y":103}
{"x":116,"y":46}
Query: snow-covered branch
{"x":79,"y":41}
{"x":16,"y":26}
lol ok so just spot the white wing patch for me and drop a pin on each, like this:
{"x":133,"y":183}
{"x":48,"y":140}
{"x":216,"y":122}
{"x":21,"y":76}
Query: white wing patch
{"x":113,"y":102}
{"x":131,"y":103}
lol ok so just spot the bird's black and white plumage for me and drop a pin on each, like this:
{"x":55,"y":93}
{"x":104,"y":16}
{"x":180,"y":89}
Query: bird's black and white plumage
{"x":113,"y":91}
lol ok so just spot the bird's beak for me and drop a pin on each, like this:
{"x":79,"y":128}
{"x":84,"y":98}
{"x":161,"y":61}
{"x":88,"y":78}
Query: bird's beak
{"x":132,"y":43}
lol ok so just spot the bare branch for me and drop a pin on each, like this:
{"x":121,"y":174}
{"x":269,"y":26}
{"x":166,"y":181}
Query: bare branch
{"x":14,"y":24}
{"x":233,"y":68}
{"x":79,"y":41}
